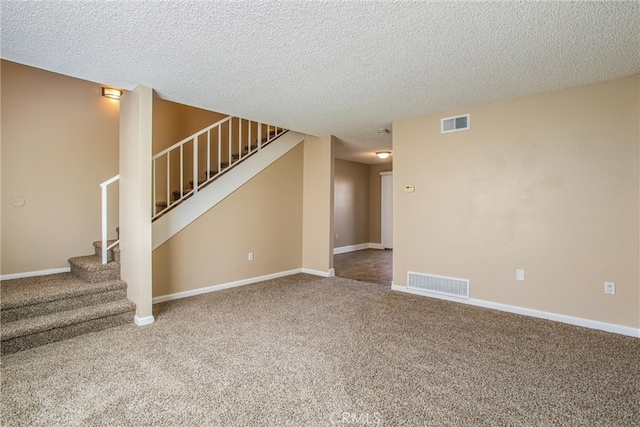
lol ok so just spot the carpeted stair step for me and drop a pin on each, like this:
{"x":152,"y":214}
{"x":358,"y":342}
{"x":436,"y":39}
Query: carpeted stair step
{"x":42,"y":295}
{"x":200,"y":182}
{"x":91,"y":269}
{"x":36,"y":331}
{"x":113,"y":254}
{"x":177,"y":195}
{"x":253,"y":148}
{"x":160,"y":206}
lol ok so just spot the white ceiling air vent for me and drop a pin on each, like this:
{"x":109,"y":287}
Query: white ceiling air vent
{"x":454,"y":124}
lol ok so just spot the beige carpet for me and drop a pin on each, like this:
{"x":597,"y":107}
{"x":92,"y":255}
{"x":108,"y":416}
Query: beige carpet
{"x":305,"y":351}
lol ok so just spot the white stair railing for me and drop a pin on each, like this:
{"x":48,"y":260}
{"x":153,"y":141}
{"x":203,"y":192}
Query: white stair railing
{"x":104,"y":246}
{"x":204,"y":156}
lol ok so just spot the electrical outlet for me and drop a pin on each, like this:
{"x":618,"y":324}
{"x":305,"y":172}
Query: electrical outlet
{"x":520,"y":274}
{"x":250,"y":256}
{"x":336,"y":236}
{"x":609,"y":288}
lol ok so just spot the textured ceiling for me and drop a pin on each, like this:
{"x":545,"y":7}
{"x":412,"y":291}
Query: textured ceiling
{"x":341,"y":68}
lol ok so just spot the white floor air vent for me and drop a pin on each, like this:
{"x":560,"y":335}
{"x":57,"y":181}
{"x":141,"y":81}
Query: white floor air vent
{"x":441,"y":285}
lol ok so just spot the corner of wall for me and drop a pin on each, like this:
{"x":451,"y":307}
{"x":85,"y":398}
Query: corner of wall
{"x":136,"y":121}
{"x":318,"y":203}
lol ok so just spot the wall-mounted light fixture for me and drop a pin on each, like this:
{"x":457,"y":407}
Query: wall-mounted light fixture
{"x":383,"y":154}
{"x":111,"y":93}
{"x":382,"y":131}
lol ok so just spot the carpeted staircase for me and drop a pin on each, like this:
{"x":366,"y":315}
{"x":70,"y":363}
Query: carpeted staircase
{"x":44,"y":309}
{"x":211,"y":175}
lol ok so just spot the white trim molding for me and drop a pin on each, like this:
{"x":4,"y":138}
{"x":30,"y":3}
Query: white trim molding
{"x":576,"y":321}
{"x":143,"y":321}
{"x":35,"y":273}
{"x":350,"y":248}
{"x":330,"y":273}
{"x":353,"y":248}
{"x":213,"y":288}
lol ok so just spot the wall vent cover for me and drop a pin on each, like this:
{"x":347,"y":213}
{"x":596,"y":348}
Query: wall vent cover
{"x":455,"y":124}
{"x":441,"y":285}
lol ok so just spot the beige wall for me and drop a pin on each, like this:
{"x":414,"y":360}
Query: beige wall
{"x":264,"y":217}
{"x":317,"y":233}
{"x":375,"y":201}
{"x":351,"y":203}
{"x":547,"y":183}
{"x":59,"y":142}
{"x":357,"y":210}
{"x":172,"y":122}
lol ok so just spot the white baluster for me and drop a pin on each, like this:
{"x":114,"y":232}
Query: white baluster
{"x":181,"y":171}
{"x":195,"y":165}
{"x":105,"y":248}
{"x":239,"y":139}
{"x":219,"y":148}
{"x":168,"y":179}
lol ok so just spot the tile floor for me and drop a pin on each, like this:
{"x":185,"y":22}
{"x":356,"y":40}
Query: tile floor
{"x":366,"y":265}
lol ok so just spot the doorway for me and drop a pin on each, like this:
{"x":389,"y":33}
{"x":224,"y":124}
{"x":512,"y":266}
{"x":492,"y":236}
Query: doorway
{"x":358,"y":227}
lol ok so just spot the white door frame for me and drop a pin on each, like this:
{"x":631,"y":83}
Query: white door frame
{"x":386,"y":210}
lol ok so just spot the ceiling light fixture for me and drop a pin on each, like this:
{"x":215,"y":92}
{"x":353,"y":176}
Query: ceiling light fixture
{"x":383,"y":154}
{"x":111,"y":93}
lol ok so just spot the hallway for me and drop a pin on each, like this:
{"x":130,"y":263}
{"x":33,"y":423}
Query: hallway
{"x":366,"y":265}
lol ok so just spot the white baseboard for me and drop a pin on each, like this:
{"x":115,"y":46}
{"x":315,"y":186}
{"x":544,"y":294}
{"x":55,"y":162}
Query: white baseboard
{"x":35,"y":273}
{"x":222,"y":286}
{"x":330,"y":273}
{"x":142,"y":321}
{"x":577,"y":321}
{"x":352,"y":248}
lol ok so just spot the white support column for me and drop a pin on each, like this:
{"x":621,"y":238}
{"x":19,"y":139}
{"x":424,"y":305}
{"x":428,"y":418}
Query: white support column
{"x":317,"y":202}
{"x":136,"y":109}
